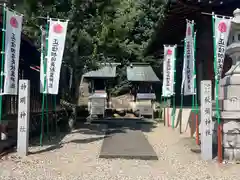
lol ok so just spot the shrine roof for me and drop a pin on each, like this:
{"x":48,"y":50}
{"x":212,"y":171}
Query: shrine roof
{"x":106,"y":70}
{"x":141,"y":73}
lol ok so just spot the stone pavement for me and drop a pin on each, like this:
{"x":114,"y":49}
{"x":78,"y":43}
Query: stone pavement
{"x":127,"y":142}
{"x":76,"y":157}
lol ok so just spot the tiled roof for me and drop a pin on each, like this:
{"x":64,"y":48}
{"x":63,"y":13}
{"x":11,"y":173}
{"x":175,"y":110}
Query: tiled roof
{"x":105,"y":71}
{"x":141,"y":72}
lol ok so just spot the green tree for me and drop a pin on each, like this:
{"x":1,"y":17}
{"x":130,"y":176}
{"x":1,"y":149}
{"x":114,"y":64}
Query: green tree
{"x":98,"y":31}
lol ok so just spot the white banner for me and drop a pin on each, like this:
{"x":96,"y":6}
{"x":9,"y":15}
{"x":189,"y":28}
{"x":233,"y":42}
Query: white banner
{"x":12,"y":51}
{"x":168,"y":71}
{"x":56,"y":44}
{"x":222,"y":29}
{"x":188,"y":64}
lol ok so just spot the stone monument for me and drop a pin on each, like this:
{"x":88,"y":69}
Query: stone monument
{"x":206,"y":120}
{"x":229,"y":95}
{"x":23,"y":117}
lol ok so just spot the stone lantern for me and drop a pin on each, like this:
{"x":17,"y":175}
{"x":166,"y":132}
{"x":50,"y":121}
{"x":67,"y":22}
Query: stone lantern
{"x":229,"y":94}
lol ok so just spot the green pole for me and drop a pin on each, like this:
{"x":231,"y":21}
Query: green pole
{"x":160,"y":110}
{"x":215,"y":71}
{"x":181,"y":108}
{"x":43,"y":97}
{"x":193,"y":104}
{"x":47,"y":116}
{"x":182,"y":93}
{"x":219,"y":133}
{"x":193,"y":96}
{"x":164,"y":108}
{"x":55,"y":111}
{"x":44,"y":55}
{"x":173,"y":112}
{"x":174,"y":79}
{"x":45,"y":72}
{"x":3,"y":57}
{"x":195,"y":89}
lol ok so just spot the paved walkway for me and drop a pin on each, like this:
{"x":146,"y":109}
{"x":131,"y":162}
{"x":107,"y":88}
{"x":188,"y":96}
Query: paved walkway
{"x":77,"y":158}
{"x":127,"y":141}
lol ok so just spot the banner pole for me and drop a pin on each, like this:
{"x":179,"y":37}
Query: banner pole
{"x":164,"y":110}
{"x":47,"y":117}
{"x":44,"y":56}
{"x":43,"y":102}
{"x":168,"y":116}
{"x":55,"y":111}
{"x":160,"y":107}
{"x":174,"y":84}
{"x":182,"y":89}
{"x":193,"y":100}
{"x":45,"y":71}
{"x":193,"y":112}
{"x":3,"y":58}
{"x":195,"y":89}
{"x":172,"y":113}
{"x":181,"y":110}
{"x":219,"y":134}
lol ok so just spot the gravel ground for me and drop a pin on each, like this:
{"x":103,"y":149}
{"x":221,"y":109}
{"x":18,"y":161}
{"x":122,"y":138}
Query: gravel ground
{"x":77,"y":159}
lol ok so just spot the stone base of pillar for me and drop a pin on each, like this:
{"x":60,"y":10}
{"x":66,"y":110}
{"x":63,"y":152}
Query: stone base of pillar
{"x":231,"y":138}
{"x":230,"y":132}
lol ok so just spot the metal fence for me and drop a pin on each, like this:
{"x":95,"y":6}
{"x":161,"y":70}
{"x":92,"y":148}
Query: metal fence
{"x":54,"y":110}
{"x":10,"y":102}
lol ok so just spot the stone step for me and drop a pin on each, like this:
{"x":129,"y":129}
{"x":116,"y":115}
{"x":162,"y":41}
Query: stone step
{"x":227,"y":114}
{"x":123,"y":120}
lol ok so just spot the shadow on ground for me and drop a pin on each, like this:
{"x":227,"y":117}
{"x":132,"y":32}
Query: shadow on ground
{"x":55,"y":139}
{"x":103,"y":130}
{"x":59,"y":145}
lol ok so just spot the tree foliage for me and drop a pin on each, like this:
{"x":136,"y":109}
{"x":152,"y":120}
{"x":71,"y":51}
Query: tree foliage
{"x":99,"y":30}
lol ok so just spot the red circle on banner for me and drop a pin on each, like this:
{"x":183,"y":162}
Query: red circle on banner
{"x":222,"y":27}
{"x":14,"y":22}
{"x":189,"y":31}
{"x":58,"y":28}
{"x":169,"y":52}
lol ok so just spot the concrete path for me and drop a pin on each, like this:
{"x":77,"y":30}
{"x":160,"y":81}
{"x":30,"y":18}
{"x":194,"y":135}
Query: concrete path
{"x":127,"y":142}
{"x":76,"y":157}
